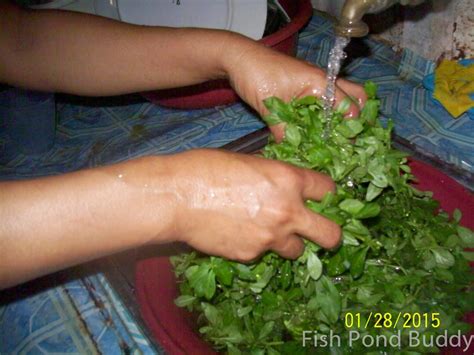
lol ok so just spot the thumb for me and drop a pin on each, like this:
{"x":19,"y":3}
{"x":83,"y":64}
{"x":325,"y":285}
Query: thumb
{"x":278,"y":131}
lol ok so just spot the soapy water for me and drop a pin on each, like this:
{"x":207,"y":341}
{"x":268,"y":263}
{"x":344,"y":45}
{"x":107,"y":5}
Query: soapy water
{"x":336,"y":57}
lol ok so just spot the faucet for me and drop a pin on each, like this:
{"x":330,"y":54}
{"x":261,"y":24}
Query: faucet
{"x":350,"y":22}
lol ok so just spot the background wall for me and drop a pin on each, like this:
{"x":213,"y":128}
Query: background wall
{"x":436,"y":29}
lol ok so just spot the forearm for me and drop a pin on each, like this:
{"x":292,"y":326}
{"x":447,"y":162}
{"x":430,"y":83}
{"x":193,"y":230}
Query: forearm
{"x":55,"y":222}
{"x":89,"y":55}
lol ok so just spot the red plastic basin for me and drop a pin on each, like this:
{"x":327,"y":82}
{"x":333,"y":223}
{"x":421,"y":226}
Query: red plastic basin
{"x":175,"y":329}
{"x":218,"y":92}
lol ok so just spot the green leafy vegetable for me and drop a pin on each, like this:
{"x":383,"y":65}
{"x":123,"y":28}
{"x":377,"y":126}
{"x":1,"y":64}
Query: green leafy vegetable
{"x":399,"y":252}
{"x":315,"y":267}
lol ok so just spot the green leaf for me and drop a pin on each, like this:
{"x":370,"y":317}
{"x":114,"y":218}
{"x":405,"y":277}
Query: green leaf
{"x":356,"y":227}
{"x":244,"y":272}
{"x":191,"y":271}
{"x":314,"y":206}
{"x":184,"y":300}
{"x":348,"y":238}
{"x":369,"y":112}
{"x":224,"y":272}
{"x":272,"y":119}
{"x":315,"y":267}
{"x":372,"y":192}
{"x":366,"y":296}
{"x":443,"y":257}
{"x":452,"y":241}
{"x":293,"y":135}
{"x":203,"y":280}
{"x":286,"y":275}
{"x":318,"y":156}
{"x":262,"y":280}
{"x":329,"y":300}
{"x":405,"y":168}
{"x":233,"y":334}
{"x":307,"y":101}
{"x":457,"y":215}
{"x":444,"y":275}
{"x":212,"y":314}
{"x":279,"y":109}
{"x":266,"y":330}
{"x":358,"y":263}
{"x":396,"y":294}
{"x":232,"y":350}
{"x":467,"y":236}
{"x":351,"y":206}
{"x":368,"y":211}
{"x":243,"y":311}
{"x":428,"y":260}
{"x":370,"y":89}
{"x":344,"y":106}
{"x":293,"y":294}
{"x":376,"y":170}
{"x":336,"y":265}
{"x":350,"y":128}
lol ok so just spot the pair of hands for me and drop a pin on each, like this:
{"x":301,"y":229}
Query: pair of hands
{"x":240,"y":206}
{"x":221,"y":203}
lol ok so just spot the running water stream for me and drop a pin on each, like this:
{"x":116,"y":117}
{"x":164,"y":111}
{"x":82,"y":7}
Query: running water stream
{"x":336,"y":57}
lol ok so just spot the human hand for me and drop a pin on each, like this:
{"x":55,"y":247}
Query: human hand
{"x":257,"y":72}
{"x":240,"y":206}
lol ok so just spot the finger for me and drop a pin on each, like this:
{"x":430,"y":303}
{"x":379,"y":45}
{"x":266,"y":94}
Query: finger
{"x":291,"y":248}
{"x":354,"y":108}
{"x":346,"y":88}
{"x":353,"y":89}
{"x":315,"y":185}
{"x":318,"y":229}
{"x":278,"y":131}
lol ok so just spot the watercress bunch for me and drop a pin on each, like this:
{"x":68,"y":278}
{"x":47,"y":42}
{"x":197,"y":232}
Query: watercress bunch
{"x":399,"y":252}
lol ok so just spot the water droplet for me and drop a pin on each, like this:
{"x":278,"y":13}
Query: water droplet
{"x":317,"y":92}
{"x":337,"y":279}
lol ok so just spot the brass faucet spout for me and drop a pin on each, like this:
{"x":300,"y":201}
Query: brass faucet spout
{"x":350,"y":22}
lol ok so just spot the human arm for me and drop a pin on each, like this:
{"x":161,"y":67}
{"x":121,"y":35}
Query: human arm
{"x":89,"y":55}
{"x":63,"y":51}
{"x":220,"y":203}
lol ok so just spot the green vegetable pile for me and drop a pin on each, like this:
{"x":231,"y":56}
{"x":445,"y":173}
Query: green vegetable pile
{"x":400,"y":253}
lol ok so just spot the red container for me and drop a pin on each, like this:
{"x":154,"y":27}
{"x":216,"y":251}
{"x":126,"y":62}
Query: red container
{"x":218,"y":92}
{"x":175,"y":329}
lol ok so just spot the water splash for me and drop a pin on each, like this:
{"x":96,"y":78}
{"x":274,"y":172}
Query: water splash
{"x":336,"y":57}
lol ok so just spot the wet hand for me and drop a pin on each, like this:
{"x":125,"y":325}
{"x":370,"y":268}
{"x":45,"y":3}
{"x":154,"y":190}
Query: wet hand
{"x":258,"y":72}
{"x":240,"y":206}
